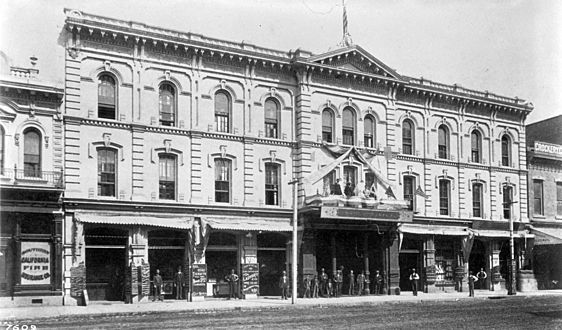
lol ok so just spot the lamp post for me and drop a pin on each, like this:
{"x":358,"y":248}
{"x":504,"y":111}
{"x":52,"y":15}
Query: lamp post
{"x":295,"y":184}
{"x":512,"y":264}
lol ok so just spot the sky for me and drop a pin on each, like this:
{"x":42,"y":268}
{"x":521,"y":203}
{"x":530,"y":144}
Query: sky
{"x":508,"y":47}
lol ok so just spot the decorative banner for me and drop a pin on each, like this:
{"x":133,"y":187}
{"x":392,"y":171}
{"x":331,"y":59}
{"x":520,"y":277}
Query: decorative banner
{"x":250,"y":278}
{"x":35,"y":263}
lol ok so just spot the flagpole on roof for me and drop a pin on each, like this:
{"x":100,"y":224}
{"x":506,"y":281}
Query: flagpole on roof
{"x":346,"y":40}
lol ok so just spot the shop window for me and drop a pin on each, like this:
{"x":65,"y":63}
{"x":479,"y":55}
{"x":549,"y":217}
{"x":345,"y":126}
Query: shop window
{"x":538,"y":200}
{"x":223,"y":174}
{"x":167,"y":178}
{"x":407,"y":137}
{"x":106,"y":172}
{"x":476,"y":146}
{"x":32,"y":153}
{"x":445,"y":260}
{"x":507,"y":201}
{"x":271,"y":184}
{"x":477,"y":200}
{"x":35,"y":249}
{"x":444,"y":197}
{"x":271,"y":118}
{"x":348,"y":126}
{"x":409,"y":187}
{"x":559,"y":198}
{"x":167,"y":103}
{"x":443,"y":142}
{"x":327,"y":126}
{"x":506,"y":150}
{"x":369,"y":131}
{"x":222,"y":112}
{"x":107,"y":95}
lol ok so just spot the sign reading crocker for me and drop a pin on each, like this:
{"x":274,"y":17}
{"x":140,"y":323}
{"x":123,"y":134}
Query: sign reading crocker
{"x":35,"y":263}
{"x":547,"y":148}
{"x":365,"y":214}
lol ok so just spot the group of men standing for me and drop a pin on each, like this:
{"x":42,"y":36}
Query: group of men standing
{"x":324,"y":286}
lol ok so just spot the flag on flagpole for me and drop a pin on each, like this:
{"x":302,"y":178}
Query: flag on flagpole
{"x":344,"y":19}
{"x":420,"y":192}
{"x":389,"y":192}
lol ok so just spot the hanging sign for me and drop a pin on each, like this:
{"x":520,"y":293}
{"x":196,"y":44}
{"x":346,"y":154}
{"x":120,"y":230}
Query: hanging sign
{"x":250,"y":278}
{"x":35,"y":263}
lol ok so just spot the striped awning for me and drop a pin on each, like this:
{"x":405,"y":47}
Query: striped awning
{"x":154,"y":220}
{"x":423,"y":229}
{"x":249,"y":224}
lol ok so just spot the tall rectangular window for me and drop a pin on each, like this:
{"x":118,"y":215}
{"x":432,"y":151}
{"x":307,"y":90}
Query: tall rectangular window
{"x":167,"y":177}
{"x":271,"y":184}
{"x":407,"y":137}
{"x":107,"y":97}
{"x":444,"y":197}
{"x":106,"y":172}
{"x":559,"y":198}
{"x":538,"y":206}
{"x":477,"y":200}
{"x":507,"y":201}
{"x":409,"y":187}
{"x":32,"y":153}
{"x":327,"y":126}
{"x":223,"y":172}
{"x":222,"y":112}
{"x":271,"y":118}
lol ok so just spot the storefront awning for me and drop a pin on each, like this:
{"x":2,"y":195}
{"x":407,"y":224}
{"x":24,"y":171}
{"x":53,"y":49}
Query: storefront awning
{"x":249,"y":224}
{"x":548,"y":236}
{"x":420,"y":229}
{"x":176,"y":222}
{"x":499,"y":233}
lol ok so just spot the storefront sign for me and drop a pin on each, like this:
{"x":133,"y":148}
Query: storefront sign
{"x":35,"y":263}
{"x":199,"y":279}
{"x":250,"y":278}
{"x":548,"y":148}
{"x":365,"y":214}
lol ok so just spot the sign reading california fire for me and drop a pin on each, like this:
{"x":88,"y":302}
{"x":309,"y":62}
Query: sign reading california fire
{"x":35,"y":263}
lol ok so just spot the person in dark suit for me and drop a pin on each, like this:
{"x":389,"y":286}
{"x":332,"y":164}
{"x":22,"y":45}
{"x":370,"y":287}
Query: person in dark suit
{"x":157,"y":284}
{"x":284,"y":285}
{"x":414,"y":278}
{"x":351,"y":283}
{"x":378,"y":282}
{"x":232,"y":280}
{"x":338,"y":281}
{"x":323,"y":278}
{"x":336,"y":188}
{"x":179,"y":284}
{"x":361,"y":283}
{"x":471,"y":280}
{"x":315,"y":287}
{"x":307,"y":286}
{"x":348,"y":191}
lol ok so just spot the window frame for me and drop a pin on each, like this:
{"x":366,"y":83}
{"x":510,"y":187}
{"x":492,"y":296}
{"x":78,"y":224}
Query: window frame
{"x":559,"y":199}
{"x":444,"y":209}
{"x":348,"y":132}
{"x":372,"y":136}
{"x":272,"y":191}
{"x":443,"y":149}
{"x":476,"y":150}
{"x":408,"y":142}
{"x":328,"y":136}
{"x":35,"y":171}
{"x":507,"y":192}
{"x":107,"y":106}
{"x":223,"y":122}
{"x":540,"y":198}
{"x":271,"y":125}
{"x":164,"y":185}
{"x":226,"y":187}
{"x":102,"y":184}
{"x":505,"y":153}
{"x":477,"y":201}
{"x":2,"y":149}
{"x":173,"y":114}
{"x":410,"y":195}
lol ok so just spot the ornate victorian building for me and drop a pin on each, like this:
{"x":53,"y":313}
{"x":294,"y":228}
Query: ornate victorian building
{"x":31,"y":181}
{"x":180,"y":149}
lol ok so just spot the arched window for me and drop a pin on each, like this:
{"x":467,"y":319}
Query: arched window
{"x":476,"y":146}
{"x":223,"y":176}
{"x":409,"y":191}
{"x":327,"y":126}
{"x":32,"y":153}
{"x":443,"y":142}
{"x":1,"y":150}
{"x":271,"y":184}
{"x":106,"y":172}
{"x":271,"y":118}
{"x":506,"y":150}
{"x":222,"y":112}
{"x":477,"y":200}
{"x":107,"y":95}
{"x":407,"y":137}
{"x":167,"y":103}
{"x":369,"y":131}
{"x":444,"y":196}
{"x":167,"y":177}
{"x":348,"y":126}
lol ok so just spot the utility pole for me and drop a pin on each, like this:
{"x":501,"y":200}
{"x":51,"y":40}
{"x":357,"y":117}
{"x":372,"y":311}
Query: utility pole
{"x":294,"y":262}
{"x":512,"y":263}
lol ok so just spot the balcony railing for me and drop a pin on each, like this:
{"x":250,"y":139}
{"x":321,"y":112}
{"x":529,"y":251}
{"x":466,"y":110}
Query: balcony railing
{"x":33,"y":177}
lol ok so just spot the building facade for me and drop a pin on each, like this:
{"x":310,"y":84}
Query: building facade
{"x":544,"y":153}
{"x":430,"y":172}
{"x":31,"y":181}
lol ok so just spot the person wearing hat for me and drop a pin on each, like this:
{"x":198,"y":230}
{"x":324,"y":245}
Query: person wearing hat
{"x":414,"y":278}
{"x":284,"y":285}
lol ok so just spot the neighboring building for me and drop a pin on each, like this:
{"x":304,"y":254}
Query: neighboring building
{"x":544,"y":154}
{"x":31,"y":181}
{"x":194,"y":141}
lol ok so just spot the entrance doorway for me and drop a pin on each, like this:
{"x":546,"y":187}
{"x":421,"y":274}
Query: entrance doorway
{"x":272,"y":248}
{"x":407,"y":261}
{"x":221,"y":257}
{"x":106,"y":261}
{"x":477,"y":261}
{"x":166,"y":252}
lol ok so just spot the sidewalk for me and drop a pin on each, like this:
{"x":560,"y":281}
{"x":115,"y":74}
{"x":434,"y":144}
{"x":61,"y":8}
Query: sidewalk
{"x":37,"y":312}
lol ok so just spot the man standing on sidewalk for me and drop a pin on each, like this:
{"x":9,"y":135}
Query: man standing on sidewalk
{"x":323,"y":281}
{"x":157,"y":283}
{"x":232,"y":280}
{"x":378,"y":283}
{"x":414,"y":277}
{"x":351,"y":283}
{"x":361,"y":283}
{"x":284,"y":285}
{"x":471,"y":280}
{"x":481,"y":278}
{"x":179,"y":284}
